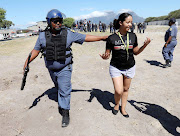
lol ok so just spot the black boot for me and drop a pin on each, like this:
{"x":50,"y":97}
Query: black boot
{"x":65,"y":118}
{"x":168,"y":64}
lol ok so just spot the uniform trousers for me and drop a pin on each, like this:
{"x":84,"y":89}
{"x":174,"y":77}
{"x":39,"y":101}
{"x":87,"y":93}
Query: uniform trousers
{"x":168,"y":51}
{"x":62,"y":81}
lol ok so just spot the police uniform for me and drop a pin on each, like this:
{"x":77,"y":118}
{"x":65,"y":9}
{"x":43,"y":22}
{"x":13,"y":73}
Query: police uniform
{"x":59,"y":65}
{"x":168,"y":51}
{"x":100,"y":26}
{"x":111,"y":27}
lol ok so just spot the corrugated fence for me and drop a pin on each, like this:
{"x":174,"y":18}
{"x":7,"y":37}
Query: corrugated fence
{"x":162,"y":22}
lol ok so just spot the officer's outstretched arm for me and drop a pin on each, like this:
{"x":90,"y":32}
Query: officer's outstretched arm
{"x":93,"y":38}
{"x":34,"y":54}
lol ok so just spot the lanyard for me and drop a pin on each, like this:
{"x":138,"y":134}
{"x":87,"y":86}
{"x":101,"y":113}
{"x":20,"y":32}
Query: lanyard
{"x":126,"y":46}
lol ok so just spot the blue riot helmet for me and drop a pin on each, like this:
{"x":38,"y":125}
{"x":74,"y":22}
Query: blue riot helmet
{"x":54,"y":13}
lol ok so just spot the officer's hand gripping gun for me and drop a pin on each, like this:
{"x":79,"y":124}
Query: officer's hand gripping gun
{"x":25,"y":73}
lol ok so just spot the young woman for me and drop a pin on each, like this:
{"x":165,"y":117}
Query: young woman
{"x":124,"y":46}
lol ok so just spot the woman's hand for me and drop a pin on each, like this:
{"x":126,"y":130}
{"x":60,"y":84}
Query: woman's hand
{"x":105,"y":56}
{"x":147,"y":41}
{"x":138,"y":50}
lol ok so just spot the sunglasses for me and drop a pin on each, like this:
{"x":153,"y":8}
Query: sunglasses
{"x":57,"y":20}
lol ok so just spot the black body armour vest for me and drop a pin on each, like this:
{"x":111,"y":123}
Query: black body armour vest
{"x":56,"y":46}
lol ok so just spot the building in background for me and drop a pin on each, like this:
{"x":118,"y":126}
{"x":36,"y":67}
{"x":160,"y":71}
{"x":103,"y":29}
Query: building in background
{"x":163,"y":22}
{"x":40,"y":25}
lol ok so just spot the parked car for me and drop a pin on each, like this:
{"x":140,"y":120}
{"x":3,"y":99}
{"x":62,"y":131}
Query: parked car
{"x":35,"y":33}
{"x":21,"y":35}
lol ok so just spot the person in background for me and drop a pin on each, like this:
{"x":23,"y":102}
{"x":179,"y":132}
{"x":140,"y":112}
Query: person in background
{"x":132,"y":28}
{"x":139,"y":26}
{"x":144,"y":26}
{"x":170,"y":43}
{"x":111,"y":27}
{"x":100,"y":26}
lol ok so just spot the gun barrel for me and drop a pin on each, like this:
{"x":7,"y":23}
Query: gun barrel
{"x":23,"y":83}
{"x":25,"y":73}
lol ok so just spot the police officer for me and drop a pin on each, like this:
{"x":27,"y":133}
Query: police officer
{"x":144,"y":26}
{"x":132,"y":28}
{"x":56,"y":41}
{"x":81,"y":26}
{"x":85,"y":25}
{"x":95,"y":27}
{"x":100,"y":26}
{"x":170,"y":43}
{"x":139,"y":27}
{"x":74,"y":26}
{"x":111,"y":27}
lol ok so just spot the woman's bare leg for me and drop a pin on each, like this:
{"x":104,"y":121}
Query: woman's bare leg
{"x":126,"y":85}
{"x":118,"y":87}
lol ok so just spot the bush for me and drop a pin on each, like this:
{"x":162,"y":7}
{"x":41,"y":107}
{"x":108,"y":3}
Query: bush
{"x":68,"y":22}
{"x":173,"y":14}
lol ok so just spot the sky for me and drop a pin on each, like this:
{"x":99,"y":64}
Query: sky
{"x":24,"y":13}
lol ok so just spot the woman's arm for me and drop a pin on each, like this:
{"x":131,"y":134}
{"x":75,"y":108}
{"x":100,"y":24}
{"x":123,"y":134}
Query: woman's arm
{"x":106,"y":55}
{"x":93,"y":38}
{"x":138,"y":50}
{"x":34,"y":54}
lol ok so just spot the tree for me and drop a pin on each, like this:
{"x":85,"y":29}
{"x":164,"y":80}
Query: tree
{"x":149,"y":19}
{"x":68,"y":22}
{"x":173,"y":14}
{"x":2,"y":14}
{"x":161,"y":18}
{"x":6,"y":24}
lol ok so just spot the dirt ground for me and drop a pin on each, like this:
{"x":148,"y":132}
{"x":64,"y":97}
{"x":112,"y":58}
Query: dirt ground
{"x":153,"y":101}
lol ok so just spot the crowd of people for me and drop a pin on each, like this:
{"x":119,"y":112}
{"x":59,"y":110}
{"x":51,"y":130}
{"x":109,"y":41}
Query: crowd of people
{"x":89,"y":26}
{"x":141,"y":27}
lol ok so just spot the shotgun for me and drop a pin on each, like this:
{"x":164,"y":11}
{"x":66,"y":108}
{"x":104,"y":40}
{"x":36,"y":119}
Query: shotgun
{"x":26,"y":70}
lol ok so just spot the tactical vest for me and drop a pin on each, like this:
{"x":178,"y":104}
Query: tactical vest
{"x":56,"y":46}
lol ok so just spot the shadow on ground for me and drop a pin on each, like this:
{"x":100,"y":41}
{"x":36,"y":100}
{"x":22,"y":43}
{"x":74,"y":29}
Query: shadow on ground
{"x":103,"y":97}
{"x":167,"y":120}
{"x":52,"y":94}
{"x":5,"y":40}
{"x":154,"y":63}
